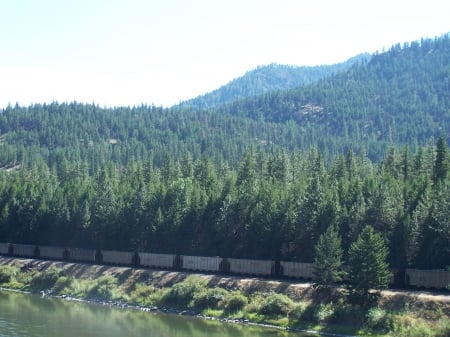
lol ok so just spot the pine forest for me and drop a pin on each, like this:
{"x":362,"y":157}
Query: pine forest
{"x":256,"y":169}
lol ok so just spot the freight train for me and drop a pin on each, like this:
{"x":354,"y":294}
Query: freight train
{"x":437,"y":279}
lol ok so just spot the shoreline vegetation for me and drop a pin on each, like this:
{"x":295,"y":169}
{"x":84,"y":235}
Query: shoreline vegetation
{"x":287,"y":305}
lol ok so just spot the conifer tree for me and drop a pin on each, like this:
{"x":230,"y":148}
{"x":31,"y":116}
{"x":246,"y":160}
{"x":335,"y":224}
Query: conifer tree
{"x":328,"y":258}
{"x":368,"y":268}
{"x":440,"y":164}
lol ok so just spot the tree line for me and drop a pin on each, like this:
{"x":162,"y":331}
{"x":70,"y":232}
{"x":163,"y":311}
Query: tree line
{"x":273,"y":205}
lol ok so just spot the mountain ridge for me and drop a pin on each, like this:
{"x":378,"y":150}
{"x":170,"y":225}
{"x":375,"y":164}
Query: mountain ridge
{"x":266,"y":78}
{"x":397,"y":98}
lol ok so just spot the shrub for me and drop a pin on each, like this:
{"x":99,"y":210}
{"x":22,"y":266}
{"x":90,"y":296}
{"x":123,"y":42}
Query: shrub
{"x":443,"y":327}
{"x":45,"y":280}
{"x":141,"y":294}
{"x":376,"y":318}
{"x":276,"y":304}
{"x":235,"y":302}
{"x":324,"y":312}
{"x":63,"y":284}
{"x":103,"y":288}
{"x":79,"y":288}
{"x":209,"y":298}
{"x":308,"y":313}
{"x":298,"y":311}
{"x":158,"y":297}
{"x":15,"y":284}
{"x":8,"y":273}
{"x":255,"y":302}
{"x":347,"y":313}
{"x":181,"y":294}
{"x":406,"y":326}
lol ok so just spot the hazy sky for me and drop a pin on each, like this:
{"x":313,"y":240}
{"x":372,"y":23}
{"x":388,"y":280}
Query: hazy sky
{"x":127,"y":52}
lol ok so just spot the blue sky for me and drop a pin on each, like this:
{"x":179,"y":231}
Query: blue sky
{"x":130,"y":52}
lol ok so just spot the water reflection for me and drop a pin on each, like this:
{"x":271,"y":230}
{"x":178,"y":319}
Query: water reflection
{"x":33,"y":316}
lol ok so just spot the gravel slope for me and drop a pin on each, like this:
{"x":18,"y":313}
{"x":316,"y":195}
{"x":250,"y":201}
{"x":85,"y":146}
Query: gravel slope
{"x":297,"y":290}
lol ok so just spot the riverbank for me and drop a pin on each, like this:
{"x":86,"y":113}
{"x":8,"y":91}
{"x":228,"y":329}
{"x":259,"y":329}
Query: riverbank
{"x":286,"y":304}
{"x":179,"y":312}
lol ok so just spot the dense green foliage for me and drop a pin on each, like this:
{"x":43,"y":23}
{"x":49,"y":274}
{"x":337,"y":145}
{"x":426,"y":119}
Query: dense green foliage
{"x":367,"y":261}
{"x":328,"y":258}
{"x":262,"y":177}
{"x":273,"y":206}
{"x":45,"y":280}
{"x":398,"y":98}
{"x":273,"y":77}
{"x":94,"y":136}
{"x":401,"y":96}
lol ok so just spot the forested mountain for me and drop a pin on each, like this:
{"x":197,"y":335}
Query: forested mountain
{"x":268,"y":78}
{"x":401,"y":96}
{"x":261,"y":177}
{"x":88,"y":133}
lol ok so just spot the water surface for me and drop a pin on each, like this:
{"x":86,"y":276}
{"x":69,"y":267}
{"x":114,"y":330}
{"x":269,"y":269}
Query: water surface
{"x":34,"y":316}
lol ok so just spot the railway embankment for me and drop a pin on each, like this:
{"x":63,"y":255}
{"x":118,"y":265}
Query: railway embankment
{"x":278,"y":302}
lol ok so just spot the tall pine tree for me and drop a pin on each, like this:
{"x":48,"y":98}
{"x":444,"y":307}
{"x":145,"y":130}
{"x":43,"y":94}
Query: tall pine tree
{"x":368,"y":268}
{"x":328,"y":258}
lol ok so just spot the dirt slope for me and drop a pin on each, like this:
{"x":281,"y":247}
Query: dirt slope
{"x":394,"y":299}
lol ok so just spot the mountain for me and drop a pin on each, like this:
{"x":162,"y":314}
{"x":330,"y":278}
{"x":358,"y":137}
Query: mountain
{"x":400,"y":97}
{"x":268,"y":78}
{"x":258,"y":177}
{"x":397,"y":98}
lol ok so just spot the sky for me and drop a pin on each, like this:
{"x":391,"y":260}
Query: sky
{"x":161,"y":52}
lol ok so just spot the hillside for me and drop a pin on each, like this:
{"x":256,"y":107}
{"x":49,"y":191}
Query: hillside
{"x":261,"y":177}
{"x":263,"y":79}
{"x":295,"y":289}
{"x":398,"y":97}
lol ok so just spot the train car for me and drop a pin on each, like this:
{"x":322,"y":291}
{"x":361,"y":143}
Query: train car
{"x":157,"y":260}
{"x":251,"y":267}
{"x":82,"y":255}
{"x":24,"y":250}
{"x":54,"y":253}
{"x":438,"y":279}
{"x":200,"y":263}
{"x":297,"y":270}
{"x":4,"y":248}
{"x":117,"y":257}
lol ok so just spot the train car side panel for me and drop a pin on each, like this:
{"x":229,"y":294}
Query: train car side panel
{"x":82,"y":255}
{"x":51,"y":252}
{"x":251,"y":267}
{"x":4,"y":248}
{"x":201,"y":263}
{"x":116,"y":257}
{"x":24,"y":250}
{"x":157,"y":260}
{"x":297,"y":269}
{"x":439,"y":279}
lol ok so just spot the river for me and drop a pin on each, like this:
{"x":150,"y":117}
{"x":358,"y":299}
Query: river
{"x":34,"y":316}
